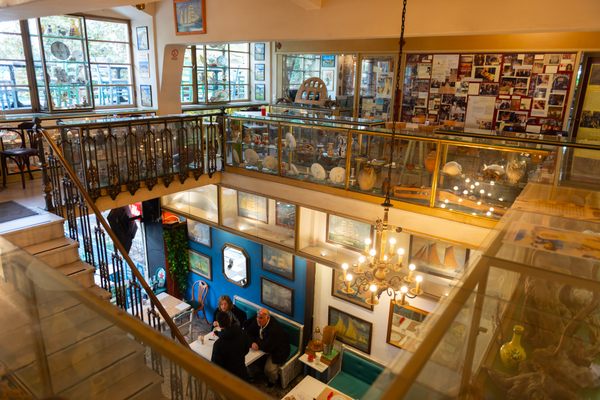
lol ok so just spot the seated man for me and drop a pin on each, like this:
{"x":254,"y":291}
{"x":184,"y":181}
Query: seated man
{"x":225,"y":305}
{"x":231,"y":348}
{"x":268,"y":335}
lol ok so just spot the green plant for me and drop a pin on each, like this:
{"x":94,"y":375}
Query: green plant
{"x":176,"y":246}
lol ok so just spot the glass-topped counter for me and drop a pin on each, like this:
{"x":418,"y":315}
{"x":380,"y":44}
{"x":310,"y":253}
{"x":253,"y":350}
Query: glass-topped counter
{"x":292,"y":114}
{"x":319,"y":111}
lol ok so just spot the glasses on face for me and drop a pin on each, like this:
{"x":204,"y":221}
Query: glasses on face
{"x":261,"y":316}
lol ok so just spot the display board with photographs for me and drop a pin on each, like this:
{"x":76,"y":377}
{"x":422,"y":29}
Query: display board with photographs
{"x":522,"y":92}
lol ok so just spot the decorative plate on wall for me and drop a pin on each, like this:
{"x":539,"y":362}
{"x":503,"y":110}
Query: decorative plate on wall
{"x":60,"y":50}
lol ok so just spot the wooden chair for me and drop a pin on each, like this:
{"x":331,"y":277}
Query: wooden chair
{"x":20,"y":155}
{"x":199,"y":292}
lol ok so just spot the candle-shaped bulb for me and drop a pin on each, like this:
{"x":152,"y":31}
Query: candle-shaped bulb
{"x":367,"y":244}
{"x":392,"y":242}
{"x":361,"y":259}
{"x":411,"y":270}
{"x":373,"y":288}
{"x":349,"y":278}
{"x":372,"y":252}
{"x":419,"y":280}
{"x":345,"y":266}
{"x":400,"y":256}
{"x":385,"y":257}
{"x":403,"y":290}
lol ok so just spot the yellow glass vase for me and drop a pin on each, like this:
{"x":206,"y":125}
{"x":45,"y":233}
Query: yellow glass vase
{"x":512,"y":353}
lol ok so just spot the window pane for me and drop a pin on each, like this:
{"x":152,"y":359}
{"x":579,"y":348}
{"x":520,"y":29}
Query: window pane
{"x":201,"y":93}
{"x":200,"y":55}
{"x":296,"y":77}
{"x":112,"y":95}
{"x":216,"y":75}
{"x":70,"y":96}
{"x":107,"y":30}
{"x":33,"y":26}
{"x":216,"y":58}
{"x":60,"y":49}
{"x":239,"y":92}
{"x":20,"y":74}
{"x":10,"y":27}
{"x":102,"y":52}
{"x":187,"y":57}
{"x":62,"y":26}
{"x":218,"y":93}
{"x":239,"y":60}
{"x":186,"y":94}
{"x":200,"y":75}
{"x":12,"y":47}
{"x":187,"y":76}
{"x":244,"y":47}
{"x":239,"y":76}
{"x":12,"y":97}
{"x":67,"y":74}
{"x":216,"y":47}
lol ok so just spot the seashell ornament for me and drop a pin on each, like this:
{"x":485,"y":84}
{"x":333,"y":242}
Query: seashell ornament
{"x":366,"y":178}
{"x":270,"y":162}
{"x":515,"y":170}
{"x":452,"y":168}
{"x":493,"y":170}
{"x":318,"y":172}
{"x":251,"y":157}
{"x":337,"y":175}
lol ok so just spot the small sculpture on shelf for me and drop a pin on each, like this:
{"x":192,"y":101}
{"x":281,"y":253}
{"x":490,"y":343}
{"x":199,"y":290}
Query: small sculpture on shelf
{"x":512,"y":353}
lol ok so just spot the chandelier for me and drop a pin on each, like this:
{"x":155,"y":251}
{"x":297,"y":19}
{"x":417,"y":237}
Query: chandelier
{"x":380,"y":268}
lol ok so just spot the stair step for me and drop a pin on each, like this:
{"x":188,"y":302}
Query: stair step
{"x":56,"y":252}
{"x":98,"y":291}
{"x":27,"y":231}
{"x":80,"y":272}
{"x":142,"y":383}
{"x":106,"y":383}
{"x":82,"y":360}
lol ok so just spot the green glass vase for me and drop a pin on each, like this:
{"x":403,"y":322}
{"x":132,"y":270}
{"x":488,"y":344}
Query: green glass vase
{"x":512,"y":353}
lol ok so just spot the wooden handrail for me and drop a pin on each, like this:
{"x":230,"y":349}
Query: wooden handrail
{"x":154,"y":300}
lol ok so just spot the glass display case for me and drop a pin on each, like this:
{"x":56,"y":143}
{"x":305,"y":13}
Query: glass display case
{"x":201,"y":202}
{"x":303,"y":109}
{"x":253,"y":145}
{"x":266,"y":218}
{"x":525,"y":317}
{"x":376,"y":87}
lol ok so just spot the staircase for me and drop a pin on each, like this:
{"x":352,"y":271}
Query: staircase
{"x":87,"y":356}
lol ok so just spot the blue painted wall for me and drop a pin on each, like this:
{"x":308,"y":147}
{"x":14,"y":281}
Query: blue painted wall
{"x":219,"y":285}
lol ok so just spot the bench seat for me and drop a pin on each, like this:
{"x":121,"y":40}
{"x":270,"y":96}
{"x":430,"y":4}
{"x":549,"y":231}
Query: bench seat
{"x":356,"y":374}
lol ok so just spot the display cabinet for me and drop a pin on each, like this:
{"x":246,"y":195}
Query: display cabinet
{"x":303,"y":109}
{"x":376,"y":86}
{"x":266,"y":218}
{"x":201,"y":203}
{"x":253,"y":145}
{"x":525,"y":318}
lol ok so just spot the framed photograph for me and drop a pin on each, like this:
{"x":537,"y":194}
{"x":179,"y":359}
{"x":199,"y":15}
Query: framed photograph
{"x":146,"y":95}
{"x":351,"y":330}
{"x":259,"y":52}
{"x":348,"y":232}
{"x":141,"y":33}
{"x":328,"y":77}
{"x":259,"y":72}
{"x":200,"y":264}
{"x":404,"y":324}
{"x":285,"y":214}
{"x":252,"y":206}
{"x":259,"y":91}
{"x":337,"y":284}
{"x":437,"y":257}
{"x":278,"y":262}
{"x":277,"y":296}
{"x":327,"y":61}
{"x":144,"y":65}
{"x":190,"y":16}
{"x":236,"y":265}
{"x":199,"y":232}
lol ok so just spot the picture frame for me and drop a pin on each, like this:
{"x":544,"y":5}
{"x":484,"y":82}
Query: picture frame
{"x":259,"y":52}
{"x":437,"y":257}
{"x":141,"y":33}
{"x":259,"y":91}
{"x":190,"y":17}
{"x":144,"y":65}
{"x":236,"y":265}
{"x":278,"y":262}
{"x":328,"y":61}
{"x":200,"y":264}
{"x":403,"y":325}
{"x":337,"y":284}
{"x":285,"y":214}
{"x":347,"y":232}
{"x":351,"y":330}
{"x":253,"y":206}
{"x":277,"y":296}
{"x":328,"y":77}
{"x":146,"y":95}
{"x":199,"y":232}
{"x":259,"y":72}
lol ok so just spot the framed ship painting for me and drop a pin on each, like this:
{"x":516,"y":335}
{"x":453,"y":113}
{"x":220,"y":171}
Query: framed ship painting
{"x":200,"y":264}
{"x":351,"y":330}
{"x":347,"y":232}
{"x":252,"y":206}
{"x":437,"y":257}
{"x":278,"y":262}
{"x":199,"y":232}
{"x":190,"y":16}
{"x":277,"y":296}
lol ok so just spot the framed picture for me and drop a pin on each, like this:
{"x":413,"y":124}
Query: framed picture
{"x":259,"y":72}
{"x":259,"y":91}
{"x":328,"y":77}
{"x":327,"y":61}
{"x":199,"y":232}
{"x":351,"y":330}
{"x":404,"y":324}
{"x":277,"y":296}
{"x":146,"y":95}
{"x":200,"y":264}
{"x":285,"y":214}
{"x":436,"y":257}
{"x":141,"y":33}
{"x":236,"y":265}
{"x":252,"y":206}
{"x":348,"y":232}
{"x":259,"y":52}
{"x":337,"y":284}
{"x":144,"y":65}
{"x":190,"y":16}
{"x":278,"y":262}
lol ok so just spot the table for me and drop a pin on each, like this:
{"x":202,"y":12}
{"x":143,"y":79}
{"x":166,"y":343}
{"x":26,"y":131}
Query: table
{"x":320,"y":368}
{"x":179,"y":311}
{"x":205,"y":349}
{"x":309,"y":389}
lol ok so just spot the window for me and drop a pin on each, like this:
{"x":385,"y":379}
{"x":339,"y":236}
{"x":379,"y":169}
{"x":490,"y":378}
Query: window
{"x":14,"y":85}
{"x":297,"y":68}
{"x":222,"y":73}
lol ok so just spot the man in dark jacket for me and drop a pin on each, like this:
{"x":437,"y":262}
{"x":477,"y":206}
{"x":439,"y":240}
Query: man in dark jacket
{"x":231,"y":348}
{"x":268,"y":335}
